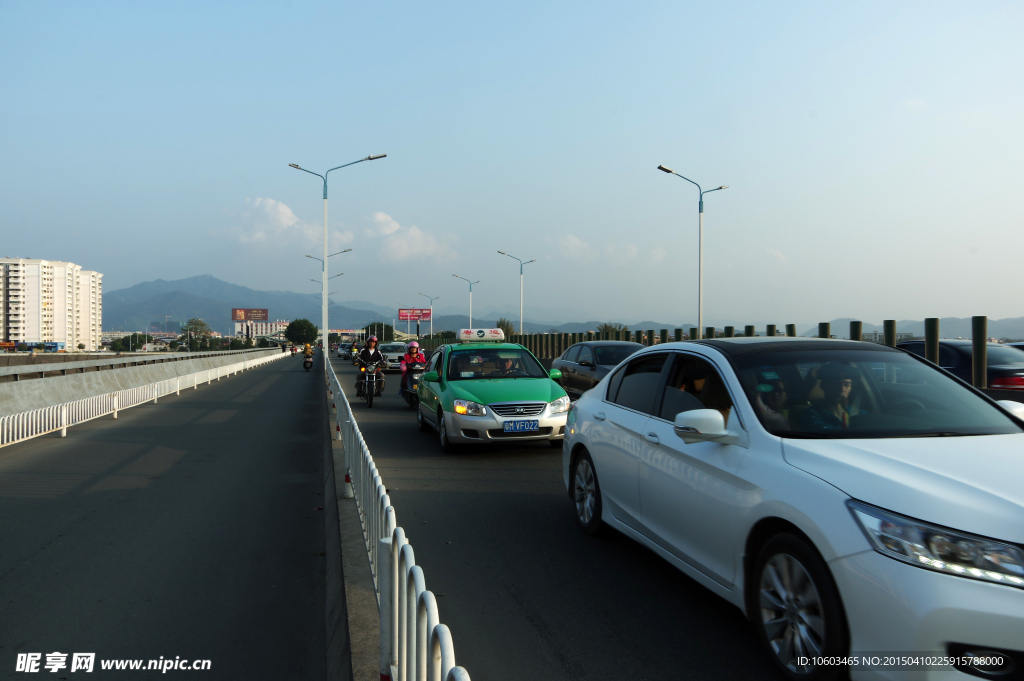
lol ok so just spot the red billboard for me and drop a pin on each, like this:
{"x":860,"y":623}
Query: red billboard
{"x":413,"y":314}
{"x":249,"y":314}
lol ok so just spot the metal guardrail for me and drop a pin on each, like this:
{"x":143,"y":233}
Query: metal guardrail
{"x":30,"y":424}
{"x":414,"y":645}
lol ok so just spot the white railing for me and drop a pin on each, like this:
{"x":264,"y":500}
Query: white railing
{"x":29,"y":424}
{"x":414,"y":645}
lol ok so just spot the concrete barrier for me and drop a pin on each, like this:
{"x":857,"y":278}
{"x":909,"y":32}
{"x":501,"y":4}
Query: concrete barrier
{"x":22,"y":396}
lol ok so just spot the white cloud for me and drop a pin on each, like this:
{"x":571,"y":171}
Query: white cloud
{"x":404,"y":243}
{"x":267,"y":219}
{"x":777,"y":254}
{"x":385,"y":223}
{"x":658,"y":255}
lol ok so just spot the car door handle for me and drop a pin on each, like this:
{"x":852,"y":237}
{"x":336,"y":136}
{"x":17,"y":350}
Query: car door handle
{"x":600,"y":416}
{"x":652,"y":438}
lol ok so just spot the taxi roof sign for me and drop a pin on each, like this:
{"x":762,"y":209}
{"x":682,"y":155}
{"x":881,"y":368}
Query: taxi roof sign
{"x":481,"y":336}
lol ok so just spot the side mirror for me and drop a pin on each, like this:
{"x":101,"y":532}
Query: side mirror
{"x":429,"y":377}
{"x":704,"y":425}
{"x":555,"y":374}
{"x":1015,"y":408}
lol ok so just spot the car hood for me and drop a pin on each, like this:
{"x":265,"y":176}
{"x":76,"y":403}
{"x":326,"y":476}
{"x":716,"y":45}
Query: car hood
{"x":973,"y":483}
{"x":486,"y":391}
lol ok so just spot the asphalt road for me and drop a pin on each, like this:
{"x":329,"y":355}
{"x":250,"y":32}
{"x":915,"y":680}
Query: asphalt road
{"x":525,"y":593}
{"x":185,"y":528}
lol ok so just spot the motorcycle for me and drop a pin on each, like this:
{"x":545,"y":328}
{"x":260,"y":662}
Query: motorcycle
{"x":411,"y":380}
{"x":371,"y":384}
{"x":307,"y":363}
{"x":294,"y":350}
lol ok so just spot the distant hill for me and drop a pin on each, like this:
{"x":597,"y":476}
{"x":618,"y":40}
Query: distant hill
{"x":139,"y":307}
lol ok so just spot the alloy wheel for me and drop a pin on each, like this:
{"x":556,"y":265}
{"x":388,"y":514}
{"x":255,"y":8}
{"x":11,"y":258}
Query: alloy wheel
{"x":792,"y":614}
{"x":585,"y":491}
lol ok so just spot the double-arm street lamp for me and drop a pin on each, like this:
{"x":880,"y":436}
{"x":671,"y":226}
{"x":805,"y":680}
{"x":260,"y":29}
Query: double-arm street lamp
{"x":371,"y":157}
{"x":323,"y":268}
{"x":521,"y":263}
{"x":700,"y":257}
{"x":432,"y":299}
{"x":470,"y":297}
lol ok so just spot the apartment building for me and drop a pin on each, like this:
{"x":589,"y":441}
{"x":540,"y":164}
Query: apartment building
{"x":52,"y":302}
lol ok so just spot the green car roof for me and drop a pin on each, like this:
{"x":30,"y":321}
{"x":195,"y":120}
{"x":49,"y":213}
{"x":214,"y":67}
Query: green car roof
{"x":488,"y":390}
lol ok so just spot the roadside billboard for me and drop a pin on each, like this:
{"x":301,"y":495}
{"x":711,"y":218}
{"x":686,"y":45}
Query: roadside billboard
{"x":249,"y":314}
{"x":413,"y":314}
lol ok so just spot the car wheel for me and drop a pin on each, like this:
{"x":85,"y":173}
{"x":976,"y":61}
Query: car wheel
{"x":798,"y":613}
{"x":421,"y":422}
{"x":442,"y":433}
{"x":586,"y":494}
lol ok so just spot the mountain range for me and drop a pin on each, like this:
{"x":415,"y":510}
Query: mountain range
{"x":141,"y":306}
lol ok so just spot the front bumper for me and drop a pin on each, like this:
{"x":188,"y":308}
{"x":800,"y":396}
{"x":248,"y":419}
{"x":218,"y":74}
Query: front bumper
{"x":490,"y":428}
{"x":892,"y":606}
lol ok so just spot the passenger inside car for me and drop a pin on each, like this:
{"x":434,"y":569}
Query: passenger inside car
{"x":833,"y":410}
{"x":694,"y":384}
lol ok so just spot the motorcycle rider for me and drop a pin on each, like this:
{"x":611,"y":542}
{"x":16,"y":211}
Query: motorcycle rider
{"x":308,"y":351}
{"x":368,"y":355}
{"x":412,"y":356}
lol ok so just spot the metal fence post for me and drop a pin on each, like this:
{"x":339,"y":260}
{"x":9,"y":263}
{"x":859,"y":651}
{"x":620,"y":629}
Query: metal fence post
{"x":693,"y":333}
{"x":115,"y":405}
{"x":749,"y":330}
{"x":791,"y":330}
{"x":824,"y":330}
{"x":679,"y":335}
{"x":889,"y":328}
{"x":856,"y":331}
{"x":650,"y":337}
{"x":63,"y":420}
{"x":384,"y":586}
{"x":729,"y":331}
{"x":709,"y":332}
{"x":664,"y":335}
{"x":638,"y":336}
{"x":931,"y":340}
{"x":979,"y":351}
{"x":770,"y":330}
{"x":177,"y":389}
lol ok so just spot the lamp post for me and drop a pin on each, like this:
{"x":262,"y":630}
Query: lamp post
{"x":521,"y":263}
{"x":431,"y":312}
{"x":371,"y":157}
{"x":470,"y":297}
{"x":700,"y":257}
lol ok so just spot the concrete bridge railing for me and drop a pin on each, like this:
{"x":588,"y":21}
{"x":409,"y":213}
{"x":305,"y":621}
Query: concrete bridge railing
{"x":58,"y":417}
{"x":414,"y":645}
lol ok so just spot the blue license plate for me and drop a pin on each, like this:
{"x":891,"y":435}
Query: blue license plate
{"x":521,"y":426}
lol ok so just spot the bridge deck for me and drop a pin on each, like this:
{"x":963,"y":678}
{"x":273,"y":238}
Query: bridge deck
{"x":185,"y":529}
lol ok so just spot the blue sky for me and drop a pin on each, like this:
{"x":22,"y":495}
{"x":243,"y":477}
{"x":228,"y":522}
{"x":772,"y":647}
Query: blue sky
{"x":874,"y":152}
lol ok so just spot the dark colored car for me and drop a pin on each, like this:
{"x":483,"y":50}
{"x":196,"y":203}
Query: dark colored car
{"x":583,"y":365}
{"x":1005,"y":363}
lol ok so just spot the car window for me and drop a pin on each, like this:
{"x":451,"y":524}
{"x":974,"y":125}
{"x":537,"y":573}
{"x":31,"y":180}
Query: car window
{"x":586,"y":355}
{"x":611,"y":355}
{"x":571,"y":354}
{"x":916,"y":348}
{"x":494,"y":363}
{"x":694,"y":383}
{"x":862,"y":394}
{"x":432,"y":362}
{"x":947,"y":358}
{"x":638,"y":387}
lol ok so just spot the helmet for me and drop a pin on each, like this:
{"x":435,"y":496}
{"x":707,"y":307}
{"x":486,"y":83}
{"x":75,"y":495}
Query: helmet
{"x":413,"y":346}
{"x":371,"y":338}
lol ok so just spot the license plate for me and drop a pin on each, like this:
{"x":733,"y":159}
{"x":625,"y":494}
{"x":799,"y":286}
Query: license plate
{"x":521,"y":426}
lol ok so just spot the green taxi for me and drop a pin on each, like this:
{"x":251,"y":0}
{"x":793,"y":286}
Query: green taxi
{"x":482,"y":389}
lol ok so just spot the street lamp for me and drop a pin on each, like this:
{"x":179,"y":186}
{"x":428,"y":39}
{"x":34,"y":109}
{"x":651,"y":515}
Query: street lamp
{"x":371,"y":157}
{"x":431,"y":312}
{"x":521,"y":263}
{"x":700,"y":257}
{"x":470,"y":298}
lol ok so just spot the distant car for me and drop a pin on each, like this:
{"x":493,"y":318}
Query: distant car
{"x":583,"y":365}
{"x":1005,"y":364}
{"x":393,"y":352}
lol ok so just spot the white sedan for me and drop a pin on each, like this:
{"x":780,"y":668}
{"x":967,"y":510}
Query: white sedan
{"x":850,"y":498}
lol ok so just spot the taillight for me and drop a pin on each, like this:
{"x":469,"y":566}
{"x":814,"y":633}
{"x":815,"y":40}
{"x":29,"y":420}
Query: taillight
{"x":1007,"y":383}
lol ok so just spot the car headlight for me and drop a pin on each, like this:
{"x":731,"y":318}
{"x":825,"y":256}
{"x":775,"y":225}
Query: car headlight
{"x":940,"y":548}
{"x":467,"y":408}
{"x":560,"y":405}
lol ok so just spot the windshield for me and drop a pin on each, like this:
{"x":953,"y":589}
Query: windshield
{"x":858,"y":394}
{"x":493,"y":363}
{"x":393,"y":348}
{"x":613,"y":354}
{"x":1002,"y":355}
